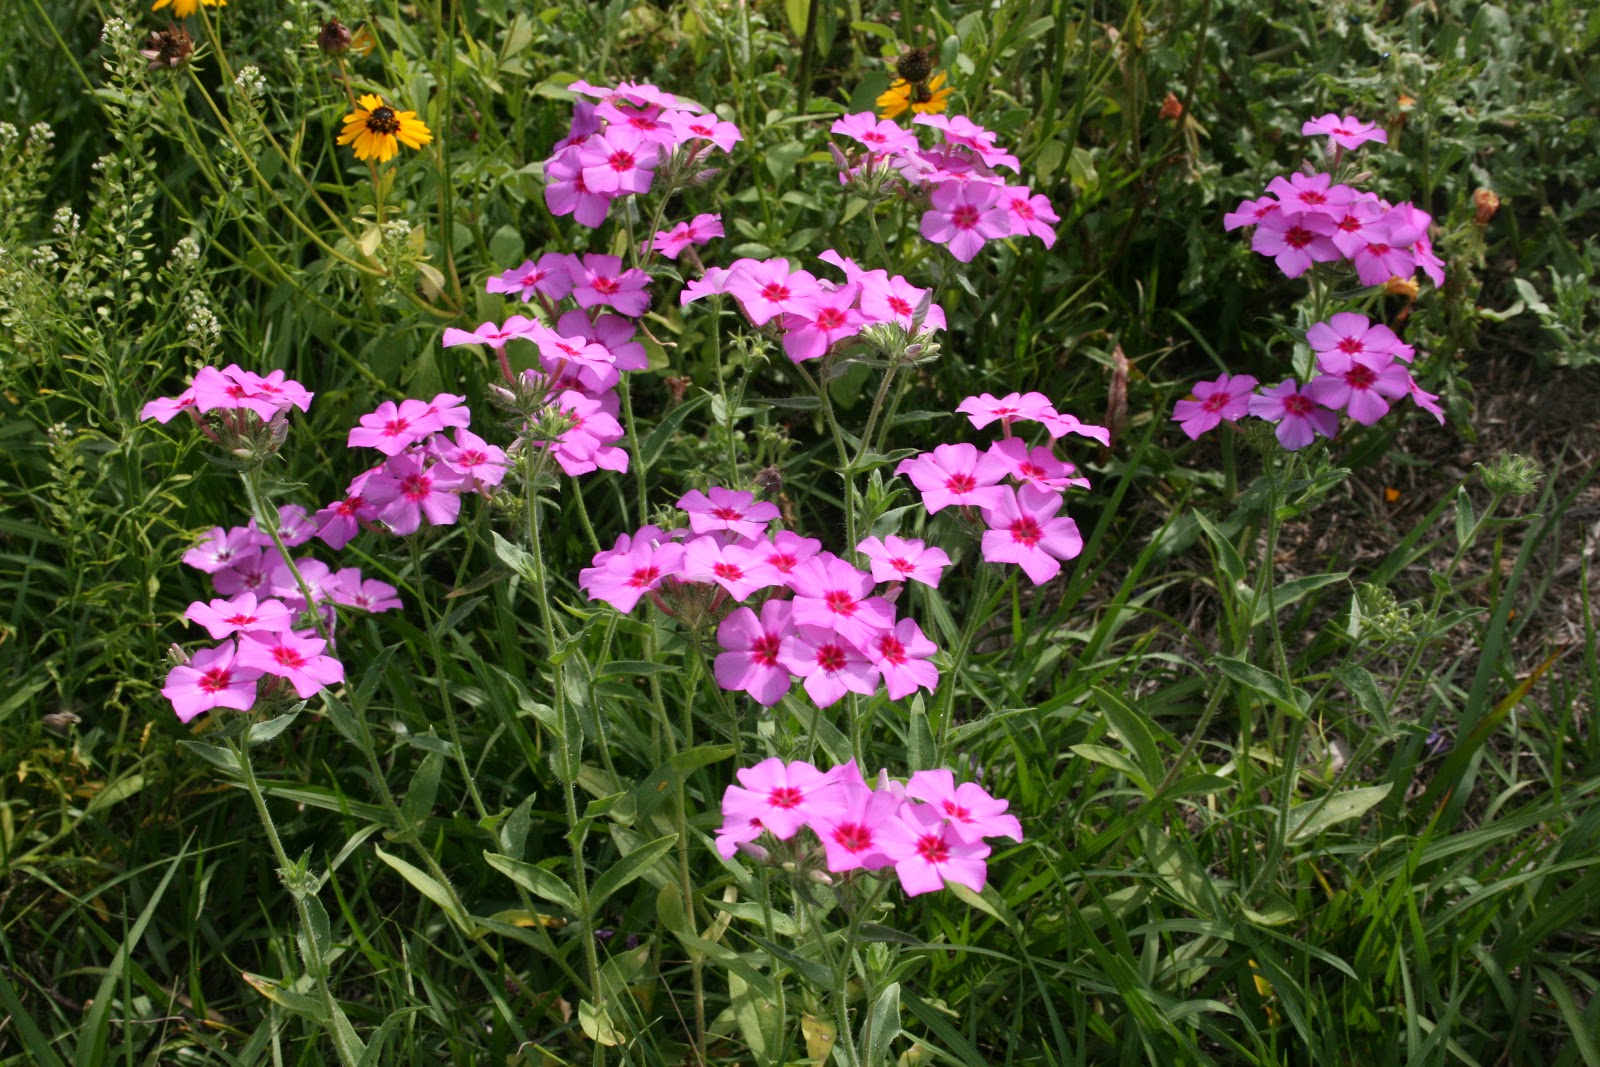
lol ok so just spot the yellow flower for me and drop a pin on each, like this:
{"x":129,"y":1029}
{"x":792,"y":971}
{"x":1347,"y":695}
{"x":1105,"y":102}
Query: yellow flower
{"x":374,"y":127}
{"x":924,"y":99}
{"x":184,"y":8}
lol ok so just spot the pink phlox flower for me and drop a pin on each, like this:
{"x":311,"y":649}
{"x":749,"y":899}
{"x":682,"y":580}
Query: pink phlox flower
{"x":749,"y":662}
{"x":714,"y":283}
{"x":1431,"y":264}
{"x":341,"y":520}
{"x":488,"y":333}
{"x":886,"y":299}
{"x":643,"y":535}
{"x":964,"y":216}
{"x":985,"y":408}
{"x":830,"y":664}
{"x":248,"y":573}
{"x":605,"y":282}
{"x":1031,"y":213}
{"x":585,"y":124}
{"x":1024,"y":529}
{"x":881,"y":136}
{"x":1295,"y":241}
{"x":587,"y":444}
{"x":219,"y":389}
{"x":164,"y":408}
{"x":927,"y":851}
{"x":289,"y":655}
{"x":1346,"y":132}
{"x":240,"y":613}
{"x":727,"y":509}
{"x":481,"y":465}
{"x":902,"y":657}
{"x":315,"y":574}
{"x":830,"y":593}
{"x":768,"y":288}
{"x":697,"y":231}
{"x":408,"y":489}
{"x":1061,"y":423}
{"x":900,"y":559}
{"x":830,"y":318}
{"x":738,"y":570}
{"x":955,"y":474}
{"x":575,"y":358}
{"x":779,"y":797}
{"x":1228,"y":397}
{"x":618,"y":162}
{"x":1299,"y":417}
{"x":850,"y":836}
{"x":1363,"y":389}
{"x":1379,"y":259}
{"x":274,"y":392}
{"x":1352,"y":230}
{"x":1249,"y":213}
{"x":552,"y":276}
{"x":622,"y":579}
{"x":639,"y":93}
{"x":348,"y":588}
{"x":853,"y":271}
{"x":687,"y":126}
{"x":295,"y":527}
{"x":1038,"y":466}
{"x":566,"y":192}
{"x":1348,"y":336}
{"x":211,"y":679}
{"x":393,"y":428}
{"x":219,"y":548}
{"x":785,"y":550}
{"x":646,"y":122}
{"x":451,"y":410}
{"x":612,"y":332}
{"x":960,"y":130}
{"x":1312,"y":194}
{"x":1427,"y":401}
{"x":969,"y":809}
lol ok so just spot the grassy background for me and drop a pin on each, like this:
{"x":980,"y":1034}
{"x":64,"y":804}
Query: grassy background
{"x":1191,"y":889}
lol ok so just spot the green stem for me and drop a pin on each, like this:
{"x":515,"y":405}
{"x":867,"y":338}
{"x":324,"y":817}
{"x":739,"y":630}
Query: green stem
{"x":431,"y":623}
{"x":969,"y":632}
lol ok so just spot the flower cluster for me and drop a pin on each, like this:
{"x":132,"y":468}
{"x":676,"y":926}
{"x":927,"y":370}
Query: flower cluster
{"x":1022,"y":520}
{"x":930,"y":830}
{"x":815,"y":316}
{"x":621,"y":141}
{"x":826,"y":621}
{"x":423,"y":474}
{"x":1309,"y":218}
{"x":968,"y":201}
{"x":247,"y":412}
{"x":1361,"y":365}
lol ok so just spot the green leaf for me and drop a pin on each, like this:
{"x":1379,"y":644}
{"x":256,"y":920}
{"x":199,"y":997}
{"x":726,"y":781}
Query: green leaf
{"x":652,"y":447}
{"x":426,"y":884}
{"x":216,"y":755}
{"x":1228,"y":557}
{"x":1133,"y":728}
{"x":424,"y":787}
{"x":536,"y":880}
{"x":1296,"y":589}
{"x":1110,"y":757}
{"x":881,"y":1026}
{"x":262,"y":732}
{"x":1291,"y":698}
{"x":628,"y":868}
{"x":1179,"y":870}
{"x":1311,"y":818}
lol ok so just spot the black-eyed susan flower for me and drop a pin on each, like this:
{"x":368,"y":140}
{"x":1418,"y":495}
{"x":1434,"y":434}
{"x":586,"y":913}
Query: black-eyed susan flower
{"x":374,"y":127}
{"x":915,"y":86}
{"x":184,"y":8}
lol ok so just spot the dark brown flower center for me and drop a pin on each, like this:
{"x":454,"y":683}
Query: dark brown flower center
{"x":383,"y":120}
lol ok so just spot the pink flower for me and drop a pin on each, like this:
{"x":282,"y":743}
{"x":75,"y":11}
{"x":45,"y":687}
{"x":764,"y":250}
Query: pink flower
{"x":776,"y":797}
{"x":586,"y":445}
{"x":960,"y":130}
{"x":1427,"y":401}
{"x":882,"y":136}
{"x":785,"y":550}
{"x":241,"y":613}
{"x":1346,"y":132}
{"x":392,"y":429}
{"x":1295,"y":241}
{"x":341,"y":520}
{"x":621,"y":579}
{"x":1038,"y":466}
{"x":481,"y":465}
{"x":1378,"y":260}
{"x":569,"y":359}
{"x":955,"y":474}
{"x":371,"y":595}
{"x":697,"y":231}
{"x":1249,"y":213}
{"x":750,"y":663}
{"x":1226,"y":398}
{"x":830,"y":318}
{"x":850,"y":835}
{"x":211,"y":679}
{"x":969,"y":809}
{"x":565,"y":192}
{"x":964,"y":215}
{"x":612,"y":332}
{"x":1060,"y":423}
{"x":983,"y":409}
{"x":451,"y":410}
{"x":1361,"y":388}
{"x":886,"y":299}
{"x":489,"y":334}
{"x":164,"y":408}
{"x":714,"y":283}
{"x":618,"y":162}
{"x":1298,"y":416}
{"x":901,"y":656}
{"x":248,"y":572}
{"x":316,"y":576}
{"x":646,"y":123}
{"x":552,"y":276}
{"x":830,"y":664}
{"x":1030,"y":213}
{"x":294,"y":527}
{"x":406,"y":489}
{"x":603,"y":281}
{"x":738,"y":570}
{"x":688,"y":127}
{"x":1024,"y":529}
{"x":1348,"y":336}
{"x":220,"y":548}
{"x":1311,"y":194}
{"x":288,"y":655}
{"x":767,"y":288}
{"x":927,"y":851}
{"x":1352,"y":230}
{"x":830,"y":593}
{"x":897,"y":559}
{"x":727,"y":509}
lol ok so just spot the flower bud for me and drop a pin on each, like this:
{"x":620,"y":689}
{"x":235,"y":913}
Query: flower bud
{"x":334,"y":37}
{"x":1487,"y":204}
{"x":1510,"y":474}
{"x":169,"y":48}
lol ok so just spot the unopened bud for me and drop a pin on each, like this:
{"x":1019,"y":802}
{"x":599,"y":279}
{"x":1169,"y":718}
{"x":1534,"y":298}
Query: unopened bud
{"x":1171,"y":107}
{"x":334,"y":37}
{"x":840,"y":160}
{"x":1510,"y":474}
{"x":1406,"y":287}
{"x":1487,"y":204}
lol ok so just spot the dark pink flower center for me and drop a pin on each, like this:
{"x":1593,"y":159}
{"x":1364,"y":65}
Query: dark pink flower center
{"x":891,"y":651}
{"x":1360,"y":377}
{"x":1297,"y":237}
{"x":840,"y":602}
{"x":606,"y":286}
{"x":416,"y":487}
{"x":964,"y":217}
{"x":1313,"y":196}
{"x":1217,"y":401}
{"x":620,"y":160}
{"x":956,"y":812}
{"x":900,"y":307}
{"x":775,"y":292}
{"x":242,"y":620}
{"x":904,"y":566}
{"x":1025,"y":531}
{"x":830,"y":319}
{"x":1350,"y":346}
{"x":783,"y":562}
{"x":288,"y":658}
{"x":730,"y":571}
{"x":831,"y":658}
{"x":349,"y":506}
{"x":215,"y":680}
{"x":785,"y":797}
{"x":932,"y":848}
{"x":1378,"y":250}
{"x":1022,"y":209}
{"x":727,"y":514}
{"x":765,"y":650}
{"x":852,"y":837}
{"x":395,"y":427}
{"x":1299,"y":406}
{"x":961,"y":483}
{"x":644,"y":576}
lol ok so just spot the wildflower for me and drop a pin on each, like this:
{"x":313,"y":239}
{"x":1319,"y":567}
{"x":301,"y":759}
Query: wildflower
{"x":220,"y":549}
{"x":985,"y":408}
{"x":963,"y":215}
{"x":1228,"y":397}
{"x":482,"y":465}
{"x":164,"y":408}
{"x":1250,"y":212}
{"x":927,"y":851}
{"x":213,"y":678}
{"x":375,"y":127}
{"x":168,"y":48}
{"x":786,"y":550}
{"x":1379,"y":259}
{"x":778,"y":797}
{"x":1312,"y":194}
{"x":618,"y":162}
{"x":923,"y":98}
{"x":829,"y":593}
{"x":740,"y":571}
{"x":248,"y":572}
{"x":341,"y":520}
{"x":391,"y":429}
{"x":960,"y":130}
{"x":879,"y":135}
{"x":371,"y":595}
{"x":1295,"y":241}
{"x":496,"y":337}
{"x":898,"y":559}
{"x":968,"y":807}
{"x":552,"y":276}
{"x":288,"y":655}
{"x":240,"y":613}
{"x":1298,"y":415}
{"x":767,"y":288}
{"x":696,"y":231}
{"x":1030,"y":213}
{"x":621,"y":579}
{"x":749,"y":662}
{"x":687,"y":127}
{"x":1348,"y":336}
{"x":586,"y":445}
{"x":1024,"y":529}
{"x":727,"y":509}
{"x":406,"y":489}
{"x":183,"y":9}
{"x":1363,"y":389}
{"x":1347,"y":132}
{"x":602,"y":281}
{"x":334,"y":37}
{"x":955,"y":474}
{"x":830,"y":664}
{"x":832,"y":317}
{"x":1485,"y":203}
{"x":902,"y":657}
{"x":851,"y":835}
{"x":567,"y":193}
{"x":1037,"y":466}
